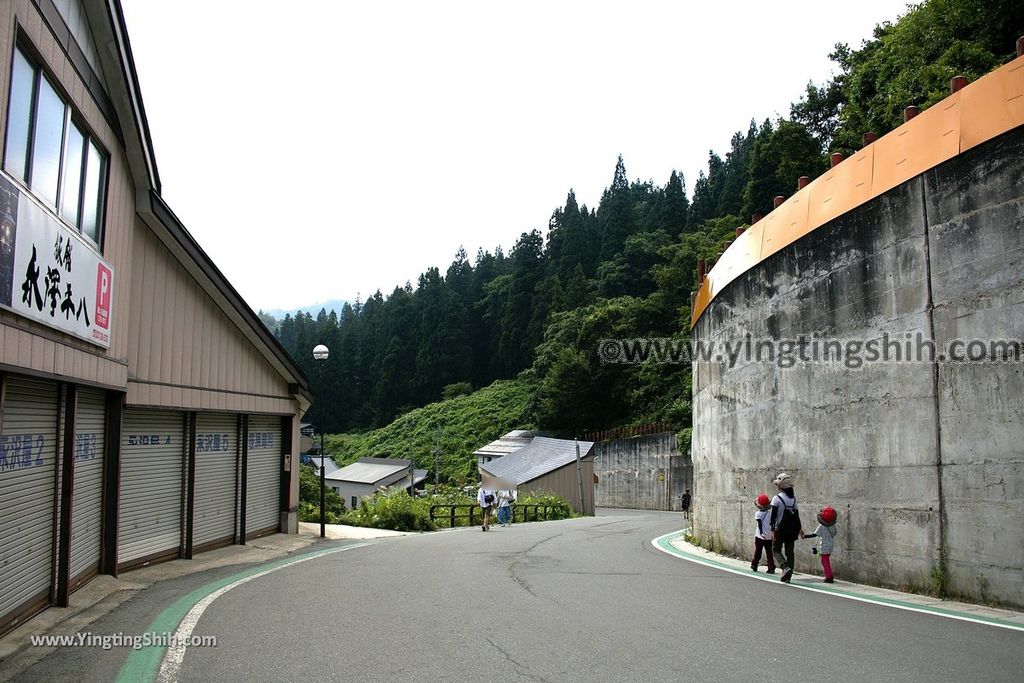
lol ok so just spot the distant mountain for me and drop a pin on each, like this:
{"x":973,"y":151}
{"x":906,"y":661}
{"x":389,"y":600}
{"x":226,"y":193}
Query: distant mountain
{"x":330,"y":305}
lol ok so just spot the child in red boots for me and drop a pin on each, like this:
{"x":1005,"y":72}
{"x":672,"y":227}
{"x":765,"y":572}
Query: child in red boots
{"x":826,"y":534}
{"x":763,"y":534}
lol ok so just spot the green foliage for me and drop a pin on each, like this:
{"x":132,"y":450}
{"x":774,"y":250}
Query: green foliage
{"x":449,"y":494}
{"x":269,"y":321}
{"x":940,"y":579}
{"x":558,"y":507}
{"x":392,"y":509}
{"x":561,"y":509}
{"x":455,"y":390}
{"x":623,"y":270}
{"x":457,"y":427}
{"x":781,"y":153}
{"x":310,"y":512}
{"x":309,"y":499}
{"x":909,"y":62}
{"x":683,"y":439}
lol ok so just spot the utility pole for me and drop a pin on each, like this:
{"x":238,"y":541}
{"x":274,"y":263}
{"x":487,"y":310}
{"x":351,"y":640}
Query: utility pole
{"x":437,"y":452}
{"x":579,"y":475}
{"x":412,"y":461}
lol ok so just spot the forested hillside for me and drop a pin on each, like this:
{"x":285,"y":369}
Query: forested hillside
{"x":626,"y":267}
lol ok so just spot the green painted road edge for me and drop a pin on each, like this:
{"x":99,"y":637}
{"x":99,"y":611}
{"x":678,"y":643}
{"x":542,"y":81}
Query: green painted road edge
{"x":144,"y":664}
{"x":664,"y":543}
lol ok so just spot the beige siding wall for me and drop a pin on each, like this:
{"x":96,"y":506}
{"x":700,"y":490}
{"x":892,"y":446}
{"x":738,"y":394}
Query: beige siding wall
{"x":184,"y":351}
{"x":170,"y":344}
{"x":30,"y":345}
{"x":563,"y":482}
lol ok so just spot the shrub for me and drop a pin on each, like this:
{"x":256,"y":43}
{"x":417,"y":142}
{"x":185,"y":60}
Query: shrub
{"x":458,"y":389}
{"x":309,"y":498}
{"x":392,"y":509}
{"x":562,"y":508}
{"x":310,"y":512}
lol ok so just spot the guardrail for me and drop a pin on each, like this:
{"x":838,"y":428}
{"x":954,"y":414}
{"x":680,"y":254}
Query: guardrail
{"x":525,"y":513}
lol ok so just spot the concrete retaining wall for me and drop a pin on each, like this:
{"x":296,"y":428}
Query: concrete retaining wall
{"x":924,"y":461}
{"x":641,"y":473}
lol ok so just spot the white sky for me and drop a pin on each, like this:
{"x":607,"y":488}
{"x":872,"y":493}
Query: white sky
{"x":317,"y":150}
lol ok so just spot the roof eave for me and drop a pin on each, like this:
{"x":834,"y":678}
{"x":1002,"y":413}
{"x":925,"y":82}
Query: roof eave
{"x":230,"y":301}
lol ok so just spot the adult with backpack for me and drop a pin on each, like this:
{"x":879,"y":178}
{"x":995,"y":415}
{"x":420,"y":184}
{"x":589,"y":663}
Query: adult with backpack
{"x":486,"y":498}
{"x":786,"y":526}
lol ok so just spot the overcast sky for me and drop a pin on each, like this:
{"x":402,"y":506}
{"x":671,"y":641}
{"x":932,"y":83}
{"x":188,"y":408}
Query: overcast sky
{"x":321,"y":150}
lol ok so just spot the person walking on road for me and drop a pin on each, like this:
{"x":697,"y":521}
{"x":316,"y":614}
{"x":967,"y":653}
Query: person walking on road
{"x":763,"y":534}
{"x":684,"y":504}
{"x":786,"y":526}
{"x":826,"y":535}
{"x":505,"y":499}
{"x":486,"y":498}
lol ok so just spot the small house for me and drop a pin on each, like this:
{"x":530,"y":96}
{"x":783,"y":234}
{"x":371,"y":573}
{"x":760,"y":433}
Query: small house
{"x":511,"y":442}
{"x":367,"y":476}
{"x":549,"y":465}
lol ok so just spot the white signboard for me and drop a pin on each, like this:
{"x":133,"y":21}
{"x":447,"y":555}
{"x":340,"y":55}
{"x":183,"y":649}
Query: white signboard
{"x":49,"y":273}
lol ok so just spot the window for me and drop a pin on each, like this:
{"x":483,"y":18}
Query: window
{"x":48,"y":150}
{"x":355,"y":502}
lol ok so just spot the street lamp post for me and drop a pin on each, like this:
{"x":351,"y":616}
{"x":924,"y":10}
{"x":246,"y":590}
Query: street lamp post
{"x":320,"y":353}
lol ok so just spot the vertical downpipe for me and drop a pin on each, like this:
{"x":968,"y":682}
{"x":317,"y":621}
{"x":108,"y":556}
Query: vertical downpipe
{"x":930,"y":307}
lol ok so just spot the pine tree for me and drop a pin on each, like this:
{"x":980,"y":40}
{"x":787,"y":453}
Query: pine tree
{"x":615,"y":213}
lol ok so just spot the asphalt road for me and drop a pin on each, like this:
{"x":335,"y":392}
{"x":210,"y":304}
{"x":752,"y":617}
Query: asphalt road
{"x":575,"y":600}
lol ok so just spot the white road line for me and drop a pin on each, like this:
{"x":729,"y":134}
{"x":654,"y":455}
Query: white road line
{"x":175,"y":655}
{"x":847,"y":596}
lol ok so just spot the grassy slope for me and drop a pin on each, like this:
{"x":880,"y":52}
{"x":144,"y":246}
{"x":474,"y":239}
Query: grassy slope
{"x":465,"y":422}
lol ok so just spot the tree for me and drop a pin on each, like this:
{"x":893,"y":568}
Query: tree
{"x":268,"y":320}
{"x":908,"y":62}
{"x":781,"y":154}
{"x":615,"y":213}
{"x":676,"y":206}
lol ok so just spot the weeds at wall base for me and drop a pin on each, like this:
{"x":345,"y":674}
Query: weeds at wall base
{"x":940,"y":580}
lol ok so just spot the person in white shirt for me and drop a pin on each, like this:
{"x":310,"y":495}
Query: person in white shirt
{"x":486,"y":499}
{"x":505,"y":499}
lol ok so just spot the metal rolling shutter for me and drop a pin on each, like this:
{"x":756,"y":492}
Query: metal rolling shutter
{"x":87,"y":501}
{"x":27,"y":489}
{"x":152,"y":461}
{"x":216,"y":479}
{"x":263,"y":475}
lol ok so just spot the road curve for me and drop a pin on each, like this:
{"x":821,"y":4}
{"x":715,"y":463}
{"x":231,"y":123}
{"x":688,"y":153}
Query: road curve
{"x":576,"y":600}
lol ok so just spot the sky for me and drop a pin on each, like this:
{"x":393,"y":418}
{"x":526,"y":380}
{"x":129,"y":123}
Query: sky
{"x":326,"y":149}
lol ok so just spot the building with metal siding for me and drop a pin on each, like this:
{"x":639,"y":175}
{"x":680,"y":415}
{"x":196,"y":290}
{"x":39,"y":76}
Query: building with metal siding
{"x":547,"y":465}
{"x":367,"y":476}
{"x":148,"y":414}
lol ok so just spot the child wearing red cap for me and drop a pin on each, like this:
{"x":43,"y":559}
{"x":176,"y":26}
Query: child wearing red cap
{"x":826,"y":534}
{"x":763,"y":534}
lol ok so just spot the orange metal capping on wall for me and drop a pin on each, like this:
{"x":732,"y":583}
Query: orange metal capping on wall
{"x":985,"y":109}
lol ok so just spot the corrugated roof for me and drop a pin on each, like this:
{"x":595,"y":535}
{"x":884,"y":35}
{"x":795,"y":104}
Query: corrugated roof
{"x":541,"y":456}
{"x":331,"y":467}
{"x":369,"y":470}
{"x":418,"y":476}
{"x":510,"y":443}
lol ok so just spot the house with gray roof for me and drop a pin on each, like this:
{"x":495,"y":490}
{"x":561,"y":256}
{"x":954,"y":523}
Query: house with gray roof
{"x":511,"y":442}
{"x":366,"y":476}
{"x":548,"y":465}
{"x":328,"y":464}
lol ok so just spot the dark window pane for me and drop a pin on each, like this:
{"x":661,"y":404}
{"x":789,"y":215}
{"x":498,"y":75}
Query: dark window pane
{"x":19,"y":116}
{"x":95,"y":187}
{"x":47,"y":141}
{"x":71,"y":188}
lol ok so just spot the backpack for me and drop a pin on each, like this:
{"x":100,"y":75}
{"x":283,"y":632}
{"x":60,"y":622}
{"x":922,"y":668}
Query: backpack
{"x":488,"y":499}
{"x":789,"y":526}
